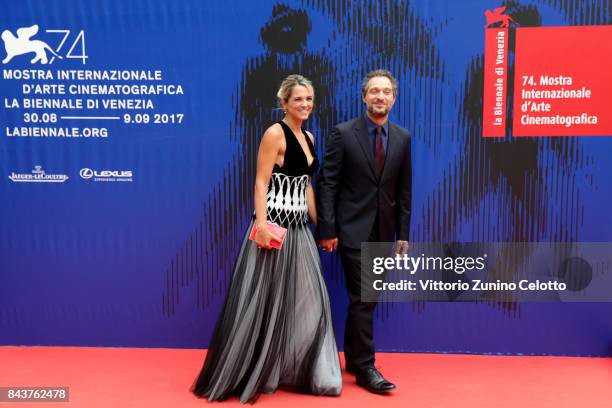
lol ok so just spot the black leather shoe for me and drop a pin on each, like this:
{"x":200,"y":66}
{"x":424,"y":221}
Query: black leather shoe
{"x":372,"y":380}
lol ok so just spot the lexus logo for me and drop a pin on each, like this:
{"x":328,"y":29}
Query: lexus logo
{"x":86,"y":173}
{"x":106,"y":175}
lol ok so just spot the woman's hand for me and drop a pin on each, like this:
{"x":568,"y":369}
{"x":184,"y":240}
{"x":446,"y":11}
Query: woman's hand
{"x":263,"y":236}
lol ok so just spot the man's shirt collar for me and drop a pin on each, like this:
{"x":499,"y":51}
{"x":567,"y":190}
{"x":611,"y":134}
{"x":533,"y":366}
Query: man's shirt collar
{"x":372,"y":126}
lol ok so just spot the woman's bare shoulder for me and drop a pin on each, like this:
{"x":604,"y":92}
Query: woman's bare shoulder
{"x":310,"y":135}
{"x":274,"y":133}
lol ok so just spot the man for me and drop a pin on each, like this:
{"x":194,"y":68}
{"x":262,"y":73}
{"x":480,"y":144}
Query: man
{"x":364,"y":195}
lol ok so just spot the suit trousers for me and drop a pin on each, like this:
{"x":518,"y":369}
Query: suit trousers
{"x":359,"y":330}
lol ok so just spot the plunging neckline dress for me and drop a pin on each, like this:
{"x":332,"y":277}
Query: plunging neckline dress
{"x":275,"y":329}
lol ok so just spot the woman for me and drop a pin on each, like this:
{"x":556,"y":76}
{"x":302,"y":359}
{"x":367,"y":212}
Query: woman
{"x":275,"y":328}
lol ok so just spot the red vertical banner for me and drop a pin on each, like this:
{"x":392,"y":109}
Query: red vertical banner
{"x":495,"y":82}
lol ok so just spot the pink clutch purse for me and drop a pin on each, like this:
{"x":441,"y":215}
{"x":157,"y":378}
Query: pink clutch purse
{"x":276,"y":230}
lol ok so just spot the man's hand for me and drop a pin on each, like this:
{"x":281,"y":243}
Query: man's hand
{"x":401,"y":247}
{"x":329,"y":245}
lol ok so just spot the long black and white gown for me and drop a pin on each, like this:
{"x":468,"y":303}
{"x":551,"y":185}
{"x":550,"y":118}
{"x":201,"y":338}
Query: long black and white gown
{"x":275,"y":328}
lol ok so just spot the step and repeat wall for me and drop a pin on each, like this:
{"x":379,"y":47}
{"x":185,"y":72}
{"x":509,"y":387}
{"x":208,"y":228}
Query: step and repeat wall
{"x":129,"y":133}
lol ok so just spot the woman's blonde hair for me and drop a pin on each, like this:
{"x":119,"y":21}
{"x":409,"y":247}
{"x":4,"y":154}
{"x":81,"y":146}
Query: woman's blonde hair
{"x":286,"y":87}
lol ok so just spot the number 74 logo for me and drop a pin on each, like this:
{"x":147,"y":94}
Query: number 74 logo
{"x":79,"y":42}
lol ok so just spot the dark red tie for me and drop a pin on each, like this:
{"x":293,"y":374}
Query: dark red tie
{"x":379,"y":151}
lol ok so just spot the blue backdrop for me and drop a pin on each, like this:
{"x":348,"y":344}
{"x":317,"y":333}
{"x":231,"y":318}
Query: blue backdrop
{"x":136,"y":246}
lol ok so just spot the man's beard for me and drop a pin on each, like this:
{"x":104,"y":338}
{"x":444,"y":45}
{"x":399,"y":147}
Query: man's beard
{"x":380,"y":113}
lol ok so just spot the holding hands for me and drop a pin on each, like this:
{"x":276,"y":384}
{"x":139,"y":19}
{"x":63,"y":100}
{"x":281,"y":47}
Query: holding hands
{"x":329,"y":245}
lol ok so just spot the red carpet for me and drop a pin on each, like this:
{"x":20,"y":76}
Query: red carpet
{"x":119,"y":377}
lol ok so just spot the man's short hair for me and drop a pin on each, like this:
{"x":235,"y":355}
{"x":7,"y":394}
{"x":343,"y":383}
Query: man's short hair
{"x":378,"y":73}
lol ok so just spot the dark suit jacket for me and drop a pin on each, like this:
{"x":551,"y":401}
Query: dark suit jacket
{"x":350,"y":194}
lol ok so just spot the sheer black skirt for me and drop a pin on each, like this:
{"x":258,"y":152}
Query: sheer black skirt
{"x":275,"y":328}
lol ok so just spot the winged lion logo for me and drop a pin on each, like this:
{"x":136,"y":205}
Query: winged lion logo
{"x":497,"y":16}
{"x":23,"y":44}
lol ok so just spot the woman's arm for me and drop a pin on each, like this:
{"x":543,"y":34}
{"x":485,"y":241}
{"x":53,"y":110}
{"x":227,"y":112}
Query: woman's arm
{"x":310,"y":197}
{"x":310,"y":201}
{"x":270,"y":145}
